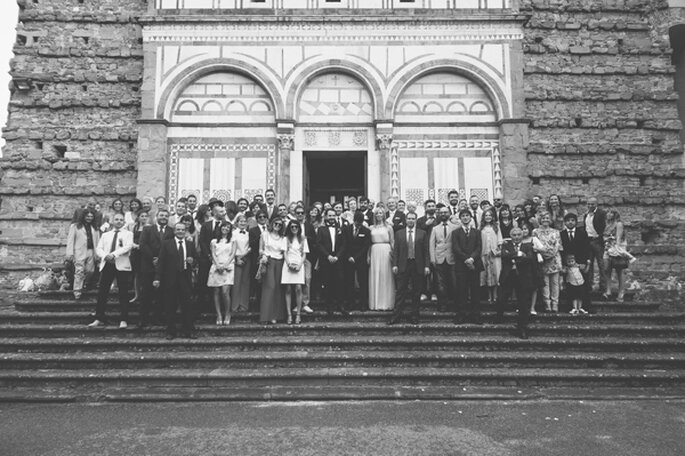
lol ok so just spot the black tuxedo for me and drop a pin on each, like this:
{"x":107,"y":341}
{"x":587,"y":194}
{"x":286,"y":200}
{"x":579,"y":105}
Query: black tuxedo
{"x":176,"y":284}
{"x":255,"y":235}
{"x":582,"y":250}
{"x":357,"y":247}
{"x":409,"y":270}
{"x":468,"y":280}
{"x":310,"y":233}
{"x":150,"y":243}
{"x":332,"y":274}
{"x":368,"y":216}
{"x":518,"y":273}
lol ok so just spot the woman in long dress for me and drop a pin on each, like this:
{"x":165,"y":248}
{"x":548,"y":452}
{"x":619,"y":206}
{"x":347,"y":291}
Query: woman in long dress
{"x":491,"y":239}
{"x":551,"y":265}
{"x":221,"y":272}
{"x":292,"y":277}
{"x":272,"y":246}
{"x":381,"y":281}
{"x":243,"y":265}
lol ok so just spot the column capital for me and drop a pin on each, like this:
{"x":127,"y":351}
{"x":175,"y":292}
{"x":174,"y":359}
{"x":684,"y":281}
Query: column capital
{"x":384,"y":141}
{"x":286,"y":141}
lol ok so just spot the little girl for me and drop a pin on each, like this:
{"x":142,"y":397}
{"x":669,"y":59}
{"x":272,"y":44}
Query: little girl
{"x":574,"y":285}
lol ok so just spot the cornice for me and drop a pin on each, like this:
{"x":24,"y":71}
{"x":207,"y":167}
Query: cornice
{"x":436,"y":31}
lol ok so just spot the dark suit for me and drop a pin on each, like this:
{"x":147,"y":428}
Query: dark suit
{"x":468,"y":280}
{"x":599,"y":222}
{"x":332,"y":274}
{"x":518,"y":273}
{"x":357,"y":247}
{"x":409,"y":270}
{"x":580,"y":248}
{"x":399,"y":220}
{"x":430,"y":286}
{"x":150,"y":244}
{"x":368,"y":216}
{"x":255,"y":234}
{"x":176,"y":284}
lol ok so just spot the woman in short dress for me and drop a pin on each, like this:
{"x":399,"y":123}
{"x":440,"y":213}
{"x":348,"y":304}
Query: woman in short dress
{"x":381,"y":281}
{"x":616,"y":257}
{"x":221,"y":272}
{"x":292,"y":277}
{"x":243,"y":265}
{"x":272,"y":246}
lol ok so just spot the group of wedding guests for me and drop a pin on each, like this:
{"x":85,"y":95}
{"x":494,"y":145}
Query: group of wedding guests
{"x":358,"y":254}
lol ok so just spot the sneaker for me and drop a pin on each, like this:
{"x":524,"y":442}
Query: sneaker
{"x":123,"y":325}
{"x":532,"y":312}
{"x":307,"y":309}
{"x":424,"y":297}
{"x":574,"y":312}
{"x":434,"y":298}
{"x":582,"y":311}
{"x":96,"y":323}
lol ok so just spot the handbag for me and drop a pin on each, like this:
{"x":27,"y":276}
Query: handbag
{"x":261,"y":272}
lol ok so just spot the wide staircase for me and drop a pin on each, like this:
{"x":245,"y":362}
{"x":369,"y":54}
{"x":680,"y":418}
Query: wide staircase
{"x":47,"y":353}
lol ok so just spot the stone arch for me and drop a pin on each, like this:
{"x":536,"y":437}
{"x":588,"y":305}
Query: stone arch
{"x":315,"y":69}
{"x":202,"y":68}
{"x":463,"y":68}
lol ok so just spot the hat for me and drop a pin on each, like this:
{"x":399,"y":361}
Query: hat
{"x":215,"y":202}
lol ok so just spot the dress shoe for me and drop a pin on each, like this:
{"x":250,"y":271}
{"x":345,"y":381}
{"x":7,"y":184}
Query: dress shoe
{"x":434,"y":298}
{"x":344,"y":312}
{"x":96,"y":324}
{"x":307,"y":309}
{"x":123,"y":325}
{"x":423,"y":297}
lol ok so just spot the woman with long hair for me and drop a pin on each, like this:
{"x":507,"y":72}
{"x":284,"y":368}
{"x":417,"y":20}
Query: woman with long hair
{"x":221,"y":272}
{"x":539,"y":282}
{"x":292,"y":277}
{"x":551,"y":265}
{"x":272,"y":247}
{"x":381,"y":282}
{"x":131,"y":216}
{"x":82,"y":239}
{"x":556,"y":211}
{"x":506,"y":222}
{"x":616,"y":257}
{"x":202,"y":215}
{"x":191,"y":230}
{"x":491,"y":252}
{"x":137,"y":230}
{"x":117,"y":207}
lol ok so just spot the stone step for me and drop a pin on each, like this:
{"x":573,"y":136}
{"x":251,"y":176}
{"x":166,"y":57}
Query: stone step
{"x":127,"y":361}
{"x":88,"y":305}
{"x":338,"y":393}
{"x":579,"y":327}
{"x":136,"y":343}
{"x":98,"y":382}
{"x":81,"y":317}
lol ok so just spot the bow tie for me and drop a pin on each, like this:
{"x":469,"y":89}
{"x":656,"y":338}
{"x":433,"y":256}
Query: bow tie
{"x":242,"y":231}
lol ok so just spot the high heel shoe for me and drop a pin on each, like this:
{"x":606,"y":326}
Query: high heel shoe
{"x":290,"y":319}
{"x":297,"y":319}
{"x":218,"y":321}
{"x":227,"y":320}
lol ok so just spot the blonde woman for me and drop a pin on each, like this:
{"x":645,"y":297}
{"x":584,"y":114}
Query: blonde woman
{"x":381,"y":282}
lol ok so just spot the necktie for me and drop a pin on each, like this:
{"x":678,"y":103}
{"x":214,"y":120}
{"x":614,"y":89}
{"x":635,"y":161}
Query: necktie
{"x":114,"y":241}
{"x":411,"y":244}
{"x":444,"y":230}
{"x":182,"y":263}
{"x":356,"y":231}
{"x":467,"y":232}
{"x":513,"y":262}
{"x":570,"y":236}
{"x":475,"y":218}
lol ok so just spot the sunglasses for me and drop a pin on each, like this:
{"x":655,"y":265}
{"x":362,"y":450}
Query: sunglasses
{"x":299,"y":213}
{"x":278,"y":224}
{"x":262,"y":216}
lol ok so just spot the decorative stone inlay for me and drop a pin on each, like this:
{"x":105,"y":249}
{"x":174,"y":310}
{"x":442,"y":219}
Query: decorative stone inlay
{"x":446,"y":145}
{"x":497,"y":172}
{"x":301,"y":32}
{"x":336,"y":137}
{"x":386,"y":145}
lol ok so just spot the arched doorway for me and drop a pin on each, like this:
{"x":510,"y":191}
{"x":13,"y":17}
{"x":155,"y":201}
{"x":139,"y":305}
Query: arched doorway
{"x":334,"y":132}
{"x":221,"y":139}
{"x":446,"y":137}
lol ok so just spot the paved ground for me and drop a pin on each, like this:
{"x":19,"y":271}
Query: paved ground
{"x":548,"y":428}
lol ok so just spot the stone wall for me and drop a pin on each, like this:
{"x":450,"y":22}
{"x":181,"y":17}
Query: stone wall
{"x":73,"y":134}
{"x":600,"y":95}
{"x":598,"y":92}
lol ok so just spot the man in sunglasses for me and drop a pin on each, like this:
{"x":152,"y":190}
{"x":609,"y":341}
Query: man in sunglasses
{"x":255,"y":235}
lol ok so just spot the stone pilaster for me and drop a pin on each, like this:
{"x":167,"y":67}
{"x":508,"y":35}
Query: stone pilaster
{"x":286,"y":143}
{"x":513,"y":160}
{"x":153,"y":159}
{"x":389,"y":161}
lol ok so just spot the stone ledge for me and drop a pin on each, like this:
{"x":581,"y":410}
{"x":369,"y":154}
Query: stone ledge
{"x":33,"y":243}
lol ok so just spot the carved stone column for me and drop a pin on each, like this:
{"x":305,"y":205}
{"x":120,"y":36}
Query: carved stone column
{"x":153,"y":159}
{"x":389,"y":161}
{"x":286,"y":142}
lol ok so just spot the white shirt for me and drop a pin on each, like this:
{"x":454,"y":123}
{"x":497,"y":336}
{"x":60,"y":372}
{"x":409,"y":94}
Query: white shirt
{"x":332,"y":230}
{"x":181,"y":250}
{"x":589,"y":227}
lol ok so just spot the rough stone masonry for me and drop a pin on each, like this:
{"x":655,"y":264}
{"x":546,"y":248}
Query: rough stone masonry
{"x":599,"y":94}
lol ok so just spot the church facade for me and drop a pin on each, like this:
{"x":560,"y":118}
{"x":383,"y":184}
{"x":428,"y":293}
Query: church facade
{"x":324,"y":99}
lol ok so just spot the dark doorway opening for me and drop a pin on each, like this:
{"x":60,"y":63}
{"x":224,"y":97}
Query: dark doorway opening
{"x":334,"y":176}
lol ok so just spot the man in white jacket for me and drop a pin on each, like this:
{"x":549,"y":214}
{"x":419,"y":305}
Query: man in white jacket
{"x":114,"y":251}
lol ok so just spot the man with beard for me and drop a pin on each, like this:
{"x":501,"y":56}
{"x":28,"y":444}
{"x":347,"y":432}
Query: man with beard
{"x":150,"y":242}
